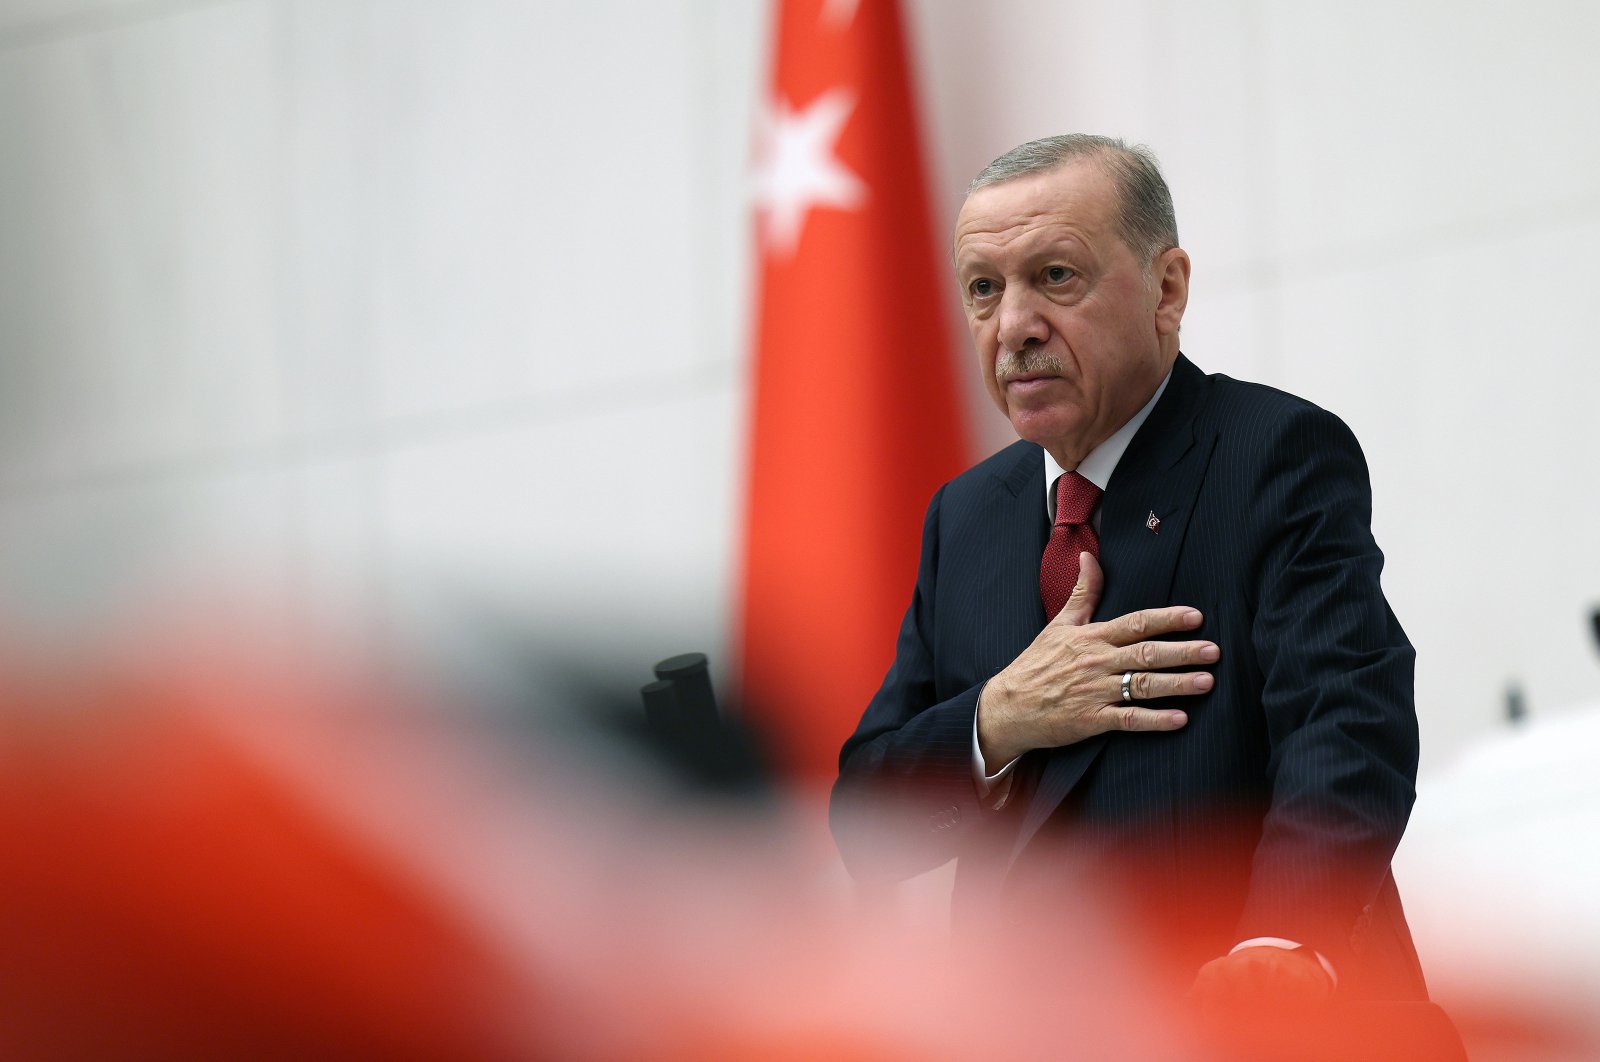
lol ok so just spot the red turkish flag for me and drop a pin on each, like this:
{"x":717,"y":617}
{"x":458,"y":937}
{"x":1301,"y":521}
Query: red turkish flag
{"x":856,"y":415}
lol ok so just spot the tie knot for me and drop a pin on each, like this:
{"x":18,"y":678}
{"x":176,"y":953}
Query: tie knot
{"x":1076,"y":498}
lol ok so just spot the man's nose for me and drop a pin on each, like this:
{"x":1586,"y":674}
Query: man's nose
{"x":1021,"y":323}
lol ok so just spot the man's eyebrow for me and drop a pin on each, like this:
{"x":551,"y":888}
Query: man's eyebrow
{"x":962,"y":262}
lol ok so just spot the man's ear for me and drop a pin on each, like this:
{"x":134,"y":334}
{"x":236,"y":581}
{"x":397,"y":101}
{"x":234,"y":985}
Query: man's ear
{"x":1171,"y":269}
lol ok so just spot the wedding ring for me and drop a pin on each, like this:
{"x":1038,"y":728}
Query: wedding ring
{"x":1127,"y":687}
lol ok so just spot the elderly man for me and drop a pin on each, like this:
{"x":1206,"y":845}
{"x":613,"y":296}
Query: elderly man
{"x":1147,"y":655}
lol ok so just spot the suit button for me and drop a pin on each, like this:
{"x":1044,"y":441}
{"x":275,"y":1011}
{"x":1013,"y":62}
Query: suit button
{"x":945,"y":818}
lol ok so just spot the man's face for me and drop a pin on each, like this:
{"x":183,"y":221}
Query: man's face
{"x":1073,"y":333}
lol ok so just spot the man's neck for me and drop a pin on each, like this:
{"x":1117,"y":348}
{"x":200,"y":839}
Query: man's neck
{"x":1098,"y":464}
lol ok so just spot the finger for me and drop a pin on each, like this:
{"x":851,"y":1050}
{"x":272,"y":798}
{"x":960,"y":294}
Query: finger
{"x":1226,"y":982}
{"x":1146,"y":623}
{"x":1277,"y":974}
{"x":1293,"y":972}
{"x":1151,"y":685}
{"x":1085,"y":595}
{"x":1133,"y":717}
{"x":1215,"y":984}
{"x":1208,"y":983}
{"x":1157,"y":656}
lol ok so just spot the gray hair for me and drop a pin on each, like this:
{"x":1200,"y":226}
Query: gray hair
{"x":1148,"y":223}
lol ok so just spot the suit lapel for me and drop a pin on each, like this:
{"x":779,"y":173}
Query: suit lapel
{"x":1144,"y":514}
{"x":1021,"y":531}
{"x":1158,"y":476}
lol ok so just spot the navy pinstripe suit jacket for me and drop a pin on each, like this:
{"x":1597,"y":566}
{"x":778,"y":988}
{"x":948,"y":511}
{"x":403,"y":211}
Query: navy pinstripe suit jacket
{"x":1278,"y":807}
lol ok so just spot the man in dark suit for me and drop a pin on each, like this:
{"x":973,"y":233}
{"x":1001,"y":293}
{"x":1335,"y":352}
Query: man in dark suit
{"x":1147,"y":654}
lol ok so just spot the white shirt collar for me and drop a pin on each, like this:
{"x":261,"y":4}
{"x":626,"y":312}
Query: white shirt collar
{"x":1102,"y":460}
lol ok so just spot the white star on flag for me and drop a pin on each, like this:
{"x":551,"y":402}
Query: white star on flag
{"x":798,"y":169}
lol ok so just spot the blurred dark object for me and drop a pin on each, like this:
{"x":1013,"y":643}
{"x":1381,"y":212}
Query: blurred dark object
{"x":712,"y":753}
{"x":1594,"y":624}
{"x":1516,"y":705}
{"x":688,"y":678}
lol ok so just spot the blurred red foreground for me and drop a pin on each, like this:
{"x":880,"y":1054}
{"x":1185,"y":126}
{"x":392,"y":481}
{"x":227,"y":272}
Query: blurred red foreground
{"x":219,"y":852}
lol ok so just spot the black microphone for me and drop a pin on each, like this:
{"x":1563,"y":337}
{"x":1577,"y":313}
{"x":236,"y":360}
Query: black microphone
{"x":713,"y":754}
{"x":690,"y":678}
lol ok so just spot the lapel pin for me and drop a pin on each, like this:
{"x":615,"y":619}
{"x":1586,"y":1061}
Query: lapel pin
{"x":1153,"y":522}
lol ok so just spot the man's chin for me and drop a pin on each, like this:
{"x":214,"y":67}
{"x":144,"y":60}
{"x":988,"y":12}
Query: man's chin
{"x":1047,"y":428}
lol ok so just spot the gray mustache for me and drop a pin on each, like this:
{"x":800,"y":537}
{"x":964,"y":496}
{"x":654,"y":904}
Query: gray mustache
{"x":1021,"y":362}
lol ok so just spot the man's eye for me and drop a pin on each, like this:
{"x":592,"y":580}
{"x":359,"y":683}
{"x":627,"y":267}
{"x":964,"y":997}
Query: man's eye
{"x":981,"y":288}
{"x":1058,"y":274}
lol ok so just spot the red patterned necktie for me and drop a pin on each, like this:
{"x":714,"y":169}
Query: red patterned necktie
{"x":1076,"y":498}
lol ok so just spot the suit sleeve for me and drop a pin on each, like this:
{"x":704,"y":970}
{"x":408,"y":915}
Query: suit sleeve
{"x":1337,"y":673}
{"x":905,"y":799}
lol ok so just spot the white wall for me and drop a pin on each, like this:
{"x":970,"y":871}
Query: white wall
{"x":358,"y":300}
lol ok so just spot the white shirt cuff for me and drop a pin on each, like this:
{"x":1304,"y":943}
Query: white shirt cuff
{"x":1288,"y":945}
{"x":993,"y":789}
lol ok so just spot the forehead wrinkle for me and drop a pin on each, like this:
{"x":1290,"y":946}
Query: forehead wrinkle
{"x":1078,"y":196}
{"x":1015,"y":221}
{"x":1025,"y":237}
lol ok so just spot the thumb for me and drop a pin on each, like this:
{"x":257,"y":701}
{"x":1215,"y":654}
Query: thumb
{"x":1080,"y":606}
